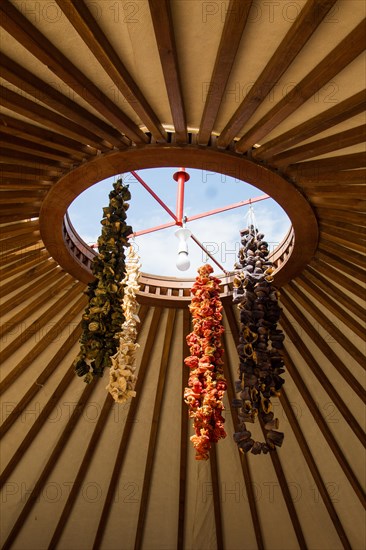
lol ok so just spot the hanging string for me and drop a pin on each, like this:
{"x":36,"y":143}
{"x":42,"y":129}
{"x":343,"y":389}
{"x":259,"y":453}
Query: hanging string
{"x":251,"y":221}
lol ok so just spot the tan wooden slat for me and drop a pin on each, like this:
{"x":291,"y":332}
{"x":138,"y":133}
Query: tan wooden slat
{"x":301,"y":30}
{"x":234,"y":412}
{"x":34,"y":86}
{"x":322,"y":265}
{"x":329,"y":214}
{"x":29,"y":147}
{"x":42,"y":344}
{"x":343,"y":239}
{"x":26,"y":442}
{"x":161,"y":16}
{"x":50,"y":465}
{"x":344,"y":259}
{"x":216,"y":497}
{"x":326,"y":350}
{"x":41,"y":380}
{"x":323,"y":320}
{"x":83,"y":469}
{"x":327,"y":385}
{"x":276,"y":462}
{"x":344,"y":110}
{"x":331,"y":177}
{"x":315,"y":168}
{"x":13,"y":245}
{"x":32,"y":308}
{"x":318,"y":147}
{"x":339,"y":190}
{"x":30,"y":273}
{"x":352,"y":256}
{"x":145,"y":492}
{"x":323,"y":426}
{"x":305,"y":281}
{"x":41,"y":321}
{"x":49,"y":118}
{"x":235,"y":21}
{"x":183,"y":436}
{"x":87,"y":27}
{"x":315,"y":471}
{"x":15,"y":229}
{"x":15,"y":256}
{"x":122,"y":449}
{"x":343,"y":54}
{"x":16,"y":24}
{"x":347,"y":203}
{"x":27,"y":259}
{"x":42,"y":136}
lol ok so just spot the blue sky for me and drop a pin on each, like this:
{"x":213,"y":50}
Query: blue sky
{"x":204,"y":191}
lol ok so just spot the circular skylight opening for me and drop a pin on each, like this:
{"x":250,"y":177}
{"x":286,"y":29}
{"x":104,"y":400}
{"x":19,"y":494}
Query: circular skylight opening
{"x":155,"y":201}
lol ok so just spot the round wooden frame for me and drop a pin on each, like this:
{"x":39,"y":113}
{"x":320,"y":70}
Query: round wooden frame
{"x":75,"y":256}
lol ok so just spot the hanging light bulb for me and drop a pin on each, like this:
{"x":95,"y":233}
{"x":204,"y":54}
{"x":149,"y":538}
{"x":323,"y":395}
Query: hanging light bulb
{"x":183,"y":235}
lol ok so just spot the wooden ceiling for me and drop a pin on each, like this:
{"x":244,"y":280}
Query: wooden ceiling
{"x":277,"y":84}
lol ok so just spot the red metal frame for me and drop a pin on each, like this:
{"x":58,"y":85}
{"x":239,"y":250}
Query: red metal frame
{"x":181,"y":176}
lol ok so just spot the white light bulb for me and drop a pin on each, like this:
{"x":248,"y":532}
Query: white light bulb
{"x":183,"y":262}
{"x":183,"y":235}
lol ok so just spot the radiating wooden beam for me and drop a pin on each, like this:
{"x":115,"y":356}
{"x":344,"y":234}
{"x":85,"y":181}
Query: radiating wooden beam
{"x":28,"y":258}
{"x":49,"y":118}
{"x":342,"y":55}
{"x":321,"y":146}
{"x":333,"y":215}
{"x":123,"y":447}
{"x":31,"y":272}
{"x":25,"y":80}
{"x":314,"y":471}
{"x":321,"y":265}
{"x":50,"y":465}
{"x":41,"y":321}
{"x":343,"y":237}
{"x":228,"y":308}
{"x":15,"y":245}
{"x":347,"y":203}
{"x":145,"y":491}
{"x":319,"y":341}
{"x":84,"y":466}
{"x":323,"y":320}
{"x":331,"y":177}
{"x":161,"y":16}
{"x":276,"y":463}
{"x":42,"y":344}
{"x":235,"y":21}
{"x":342,"y":264}
{"x":18,"y":228}
{"x":343,"y":110}
{"x":16,"y":24}
{"x":309,"y":282}
{"x":31,"y":309}
{"x":315,"y":168}
{"x":87,"y":27}
{"x":323,"y":426}
{"x":29,"y":147}
{"x":323,"y":380}
{"x":216,"y":497}
{"x":41,"y":380}
{"x":298,"y":35}
{"x":24,"y":130}
{"x":183,"y":435}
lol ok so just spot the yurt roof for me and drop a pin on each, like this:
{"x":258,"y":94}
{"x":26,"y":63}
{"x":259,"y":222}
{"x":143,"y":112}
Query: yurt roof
{"x":270,"y":91}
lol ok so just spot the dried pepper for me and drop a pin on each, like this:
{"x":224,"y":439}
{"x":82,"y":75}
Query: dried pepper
{"x":206,"y":384}
{"x":260,"y":343}
{"x":103,"y":316}
{"x":122,"y":376}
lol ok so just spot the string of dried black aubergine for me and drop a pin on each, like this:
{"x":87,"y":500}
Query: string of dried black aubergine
{"x":103,"y":316}
{"x":260,"y":343}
